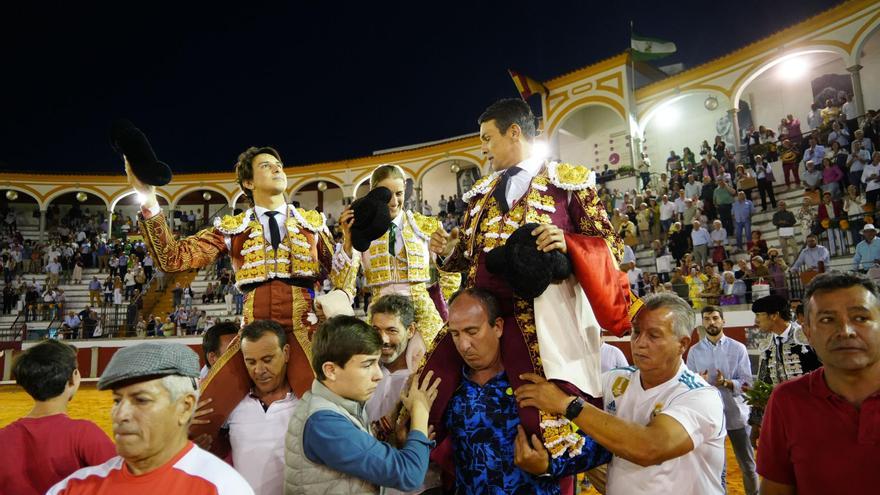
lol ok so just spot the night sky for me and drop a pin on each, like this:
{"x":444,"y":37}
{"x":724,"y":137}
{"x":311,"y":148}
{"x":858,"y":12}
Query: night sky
{"x":320,"y":81}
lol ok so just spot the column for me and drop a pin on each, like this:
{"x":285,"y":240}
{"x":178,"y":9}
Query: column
{"x":854,"y":74}
{"x":42,"y":225}
{"x":109,"y":224}
{"x":737,"y":138}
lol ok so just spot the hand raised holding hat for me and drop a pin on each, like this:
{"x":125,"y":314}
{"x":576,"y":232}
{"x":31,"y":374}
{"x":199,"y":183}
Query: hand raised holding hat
{"x":346,"y":219}
{"x":550,"y":237}
{"x":147,"y":191}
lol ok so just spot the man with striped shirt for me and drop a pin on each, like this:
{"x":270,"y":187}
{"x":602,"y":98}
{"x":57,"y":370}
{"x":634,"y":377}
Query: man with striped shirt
{"x":154,"y":396}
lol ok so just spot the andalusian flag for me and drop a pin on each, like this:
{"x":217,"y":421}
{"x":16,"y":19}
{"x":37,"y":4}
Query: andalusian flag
{"x":526,"y":85}
{"x":650,"y":48}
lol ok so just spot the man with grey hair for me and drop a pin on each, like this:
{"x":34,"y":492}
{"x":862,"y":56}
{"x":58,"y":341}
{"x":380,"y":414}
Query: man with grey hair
{"x":663,"y":423}
{"x":154,"y":396}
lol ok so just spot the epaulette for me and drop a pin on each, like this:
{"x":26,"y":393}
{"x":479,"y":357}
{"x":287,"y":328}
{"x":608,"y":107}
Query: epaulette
{"x":310,"y":219}
{"x":232,"y":224}
{"x":423,"y":226}
{"x":570,"y":177}
{"x":480,"y":187}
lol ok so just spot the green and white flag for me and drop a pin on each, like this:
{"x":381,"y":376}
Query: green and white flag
{"x":644,"y":48}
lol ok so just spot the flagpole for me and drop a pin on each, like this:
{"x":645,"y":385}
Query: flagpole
{"x":635,"y":153}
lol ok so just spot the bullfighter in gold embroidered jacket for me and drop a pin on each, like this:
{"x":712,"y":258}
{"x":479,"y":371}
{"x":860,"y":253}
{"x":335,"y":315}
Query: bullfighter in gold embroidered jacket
{"x":278,"y":252}
{"x":557,"y":334}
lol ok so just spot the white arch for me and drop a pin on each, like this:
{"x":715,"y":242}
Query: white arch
{"x":93,"y":192}
{"x":129,"y":193}
{"x":642,"y":125}
{"x":235,"y":198}
{"x":446,"y":160}
{"x":184,"y":192}
{"x":42,"y":206}
{"x":310,"y":179}
{"x":860,"y":43}
{"x":737,"y":94}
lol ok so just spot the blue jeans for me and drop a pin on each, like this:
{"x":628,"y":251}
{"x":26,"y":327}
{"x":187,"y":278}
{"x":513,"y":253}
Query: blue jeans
{"x":740,"y":228}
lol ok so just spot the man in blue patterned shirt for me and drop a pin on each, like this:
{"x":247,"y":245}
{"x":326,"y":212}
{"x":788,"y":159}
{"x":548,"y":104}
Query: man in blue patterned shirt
{"x":491,"y":451}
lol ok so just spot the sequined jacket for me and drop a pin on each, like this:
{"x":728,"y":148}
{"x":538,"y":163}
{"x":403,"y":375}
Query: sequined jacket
{"x":305,"y":252}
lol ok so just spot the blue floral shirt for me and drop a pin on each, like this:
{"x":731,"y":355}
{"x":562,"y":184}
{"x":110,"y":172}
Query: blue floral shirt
{"x":482,"y":424}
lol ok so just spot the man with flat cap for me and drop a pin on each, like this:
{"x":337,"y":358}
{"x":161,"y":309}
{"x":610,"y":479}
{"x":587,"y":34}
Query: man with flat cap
{"x":787,"y":355}
{"x":154,"y":395}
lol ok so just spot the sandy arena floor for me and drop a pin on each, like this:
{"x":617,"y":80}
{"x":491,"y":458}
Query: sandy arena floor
{"x":94,"y":405}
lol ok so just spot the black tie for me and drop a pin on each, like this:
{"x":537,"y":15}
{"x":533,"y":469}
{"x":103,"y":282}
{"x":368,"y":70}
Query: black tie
{"x":500,"y":193}
{"x":392,"y":238}
{"x":274,"y":233}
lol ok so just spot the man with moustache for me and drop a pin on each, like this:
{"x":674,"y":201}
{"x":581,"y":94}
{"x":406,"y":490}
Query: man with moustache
{"x":724,"y":362}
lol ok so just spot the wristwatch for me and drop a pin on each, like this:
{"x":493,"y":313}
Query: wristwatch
{"x":574,"y":408}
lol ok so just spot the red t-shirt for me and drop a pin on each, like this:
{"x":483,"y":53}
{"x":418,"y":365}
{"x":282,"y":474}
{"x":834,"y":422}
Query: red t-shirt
{"x":815,"y":440}
{"x":44,"y":451}
{"x":192,"y":472}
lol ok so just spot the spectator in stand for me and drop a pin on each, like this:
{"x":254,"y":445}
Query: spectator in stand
{"x":643,"y":222}
{"x":722,"y":198}
{"x":785,"y":221}
{"x":852,"y":206}
{"x":866,"y":143}
{"x":667,"y":214}
{"x":764,"y":174}
{"x":696,"y":281}
{"x":776,"y":268}
{"x":830,"y":112}
{"x":815,"y":152}
{"x":45,"y":446}
{"x":842,"y":323}
{"x":741,"y":178}
{"x":812,"y":179}
{"x":441,"y":205}
{"x":814,"y":257}
{"x":719,"y":147}
{"x":807,"y":217}
{"x":692,"y":188}
{"x":871,"y":180}
{"x":830,"y":213}
{"x":742,"y":216}
{"x":95,"y":292}
{"x":839,"y":135}
{"x":208,"y":295}
{"x":718,"y":237}
{"x":868,"y":250}
{"x":757,"y":246}
{"x":645,"y":171}
{"x":680,"y":205}
{"x":733,"y":290}
{"x":678,"y":241}
{"x":187,"y":296}
{"x":831,"y":177}
{"x":789,"y":157}
{"x":856,"y":162}
{"x":673,"y":163}
{"x":700,"y":240}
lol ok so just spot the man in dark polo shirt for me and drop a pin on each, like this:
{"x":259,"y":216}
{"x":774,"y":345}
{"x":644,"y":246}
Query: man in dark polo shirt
{"x":820,"y":431}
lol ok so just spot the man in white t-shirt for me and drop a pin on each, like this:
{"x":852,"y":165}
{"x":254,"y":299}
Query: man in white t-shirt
{"x":393,"y":316}
{"x":663,"y":423}
{"x":611,"y":357}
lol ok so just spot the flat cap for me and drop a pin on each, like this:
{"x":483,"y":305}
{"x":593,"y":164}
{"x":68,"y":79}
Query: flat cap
{"x":147,"y":361}
{"x":771,"y":304}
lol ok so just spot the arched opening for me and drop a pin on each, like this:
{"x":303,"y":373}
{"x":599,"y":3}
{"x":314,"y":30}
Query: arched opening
{"x":125,"y":209}
{"x":447,"y":179}
{"x":868,"y":56}
{"x":76,"y":210}
{"x":595,"y":136}
{"x":685,"y":121}
{"x":239,"y":202}
{"x":791,"y":85}
{"x":20,"y":211}
{"x":322,"y":195}
{"x":196,"y":209}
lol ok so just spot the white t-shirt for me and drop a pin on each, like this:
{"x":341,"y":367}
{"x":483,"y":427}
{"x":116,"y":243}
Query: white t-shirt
{"x":869,"y":170}
{"x":667,"y":210}
{"x":257,"y":440}
{"x":611,"y":357}
{"x":692,"y":402}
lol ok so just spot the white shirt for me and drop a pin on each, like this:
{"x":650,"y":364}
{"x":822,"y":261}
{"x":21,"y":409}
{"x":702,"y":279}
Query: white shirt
{"x":611,"y":357}
{"x":679,"y":205}
{"x":869,"y":170}
{"x":692,"y":402}
{"x":398,"y":237}
{"x":257,"y":440}
{"x":849,"y":110}
{"x":281,"y":218}
{"x":667,"y":209}
{"x":387,"y":393}
{"x":518,"y":184}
